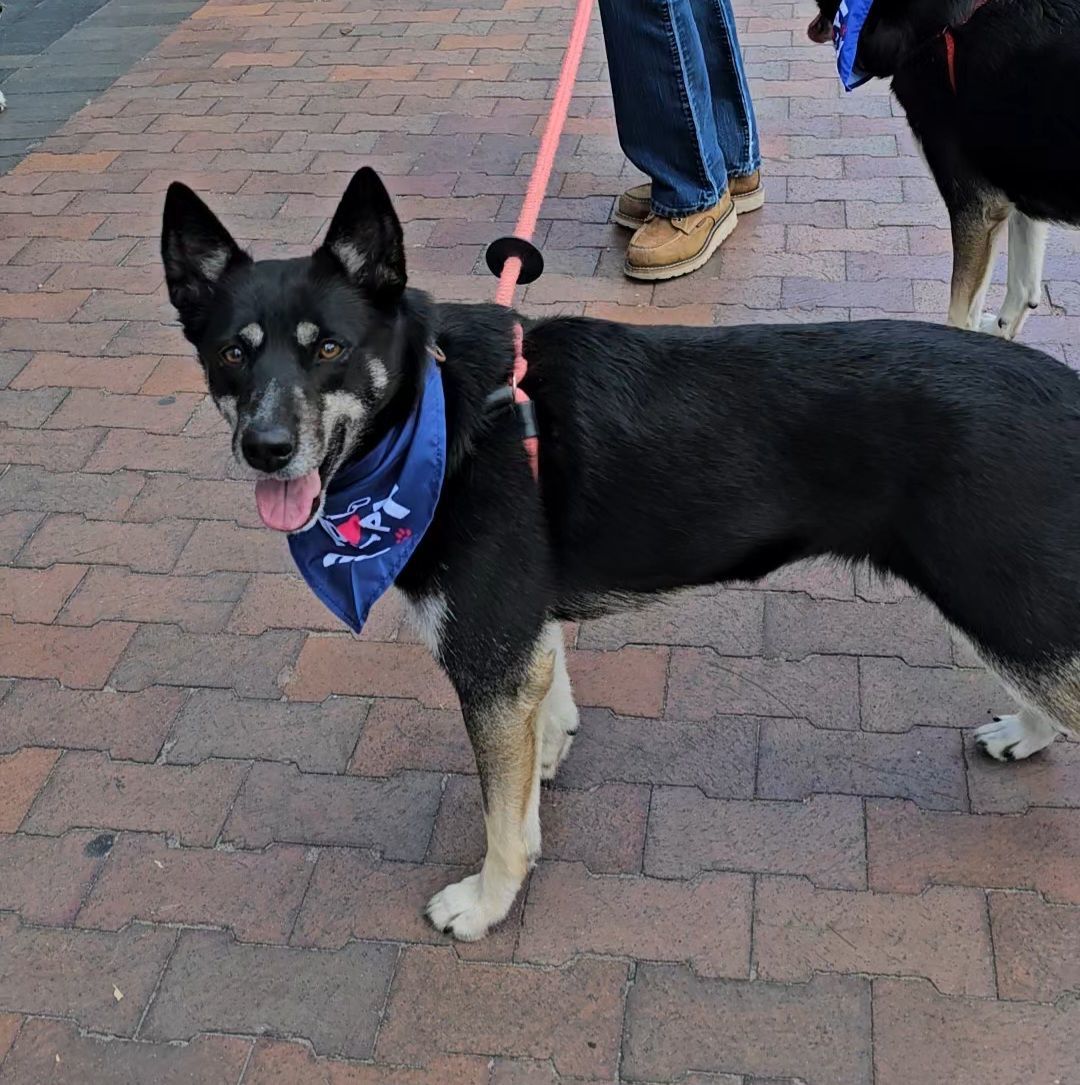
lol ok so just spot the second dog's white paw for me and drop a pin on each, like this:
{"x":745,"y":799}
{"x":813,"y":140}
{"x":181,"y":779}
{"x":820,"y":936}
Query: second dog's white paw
{"x":990,"y":322}
{"x":464,"y":911}
{"x":1011,"y":738}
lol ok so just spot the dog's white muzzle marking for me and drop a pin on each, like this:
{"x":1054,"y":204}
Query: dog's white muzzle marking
{"x":227,"y":406}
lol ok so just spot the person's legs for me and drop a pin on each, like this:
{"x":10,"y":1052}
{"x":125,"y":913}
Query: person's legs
{"x":732,"y":109}
{"x":664,"y":58}
{"x":663,"y":101}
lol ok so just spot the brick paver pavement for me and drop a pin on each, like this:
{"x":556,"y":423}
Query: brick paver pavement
{"x":772,"y":856}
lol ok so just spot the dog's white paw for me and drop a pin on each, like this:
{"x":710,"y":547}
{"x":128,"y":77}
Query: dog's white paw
{"x":558,"y":724}
{"x":994,"y":325}
{"x":1012,"y":738}
{"x":3,"y":102}
{"x":465,"y":911}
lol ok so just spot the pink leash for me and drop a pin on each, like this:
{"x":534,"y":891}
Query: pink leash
{"x":530,"y":209}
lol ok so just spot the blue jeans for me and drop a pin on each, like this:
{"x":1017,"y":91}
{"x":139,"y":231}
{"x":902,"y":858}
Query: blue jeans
{"x":682,"y":105}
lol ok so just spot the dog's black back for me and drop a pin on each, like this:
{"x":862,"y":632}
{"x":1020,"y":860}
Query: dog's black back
{"x":682,"y":456}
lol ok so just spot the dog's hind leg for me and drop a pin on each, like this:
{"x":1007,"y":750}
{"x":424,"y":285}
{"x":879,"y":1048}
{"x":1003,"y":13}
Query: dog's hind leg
{"x":1027,"y":249}
{"x":558,"y":714}
{"x":1050,"y":706}
{"x":1012,"y":738}
{"x":505,"y":734}
{"x":976,"y":232}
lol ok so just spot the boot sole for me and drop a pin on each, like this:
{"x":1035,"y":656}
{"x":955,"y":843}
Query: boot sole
{"x":744,"y":203}
{"x":749,"y":201}
{"x":721,"y":232}
{"x":629,"y":221}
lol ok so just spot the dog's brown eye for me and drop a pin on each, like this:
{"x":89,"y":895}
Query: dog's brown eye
{"x":232,"y":355}
{"x":329,"y":349}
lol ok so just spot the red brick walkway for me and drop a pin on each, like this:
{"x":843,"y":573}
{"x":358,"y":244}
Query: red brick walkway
{"x":772,"y":855}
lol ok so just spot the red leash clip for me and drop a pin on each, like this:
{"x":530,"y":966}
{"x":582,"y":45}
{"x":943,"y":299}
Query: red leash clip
{"x":516,"y":259}
{"x":526,"y":410}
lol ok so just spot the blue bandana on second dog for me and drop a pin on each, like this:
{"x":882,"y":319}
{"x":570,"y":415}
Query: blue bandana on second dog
{"x":847,"y":25}
{"x":377,"y":510}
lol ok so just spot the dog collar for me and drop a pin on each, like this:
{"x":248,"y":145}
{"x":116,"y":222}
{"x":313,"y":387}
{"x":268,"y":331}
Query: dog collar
{"x":950,"y":43}
{"x":377,"y":509}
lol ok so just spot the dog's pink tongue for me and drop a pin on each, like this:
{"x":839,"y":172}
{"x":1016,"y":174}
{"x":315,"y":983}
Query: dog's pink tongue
{"x":286,"y":506}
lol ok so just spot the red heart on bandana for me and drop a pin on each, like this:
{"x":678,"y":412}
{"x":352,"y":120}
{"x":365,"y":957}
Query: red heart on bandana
{"x":350,"y":531}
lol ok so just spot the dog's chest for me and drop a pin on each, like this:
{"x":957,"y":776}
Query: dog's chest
{"x":427,"y":615}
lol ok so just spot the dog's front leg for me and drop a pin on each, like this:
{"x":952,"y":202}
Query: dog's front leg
{"x":976,"y":233}
{"x":506,"y":739}
{"x":1027,"y":249}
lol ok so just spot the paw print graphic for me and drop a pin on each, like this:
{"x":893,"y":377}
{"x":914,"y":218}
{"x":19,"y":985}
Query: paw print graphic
{"x":402,"y":534}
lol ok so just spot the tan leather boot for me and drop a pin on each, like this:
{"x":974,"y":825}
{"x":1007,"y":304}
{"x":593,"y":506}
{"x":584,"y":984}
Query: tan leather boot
{"x":666,"y":248}
{"x":635,"y":204}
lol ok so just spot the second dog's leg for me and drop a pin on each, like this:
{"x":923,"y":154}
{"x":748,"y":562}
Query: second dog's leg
{"x":558,"y":713}
{"x":976,"y":231}
{"x":507,"y":743}
{"x":1027,"y":249}
{"x":1049,"y":705}
{"x":1012,"y":738}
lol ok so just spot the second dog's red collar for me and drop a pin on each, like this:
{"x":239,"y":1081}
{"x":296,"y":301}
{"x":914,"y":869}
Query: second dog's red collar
{"x":950,"y":42}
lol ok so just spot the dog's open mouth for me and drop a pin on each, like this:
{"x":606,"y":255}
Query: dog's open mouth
{"x":820,"y":30}
{"x":291,"y":504}
{"x":288,"y":504}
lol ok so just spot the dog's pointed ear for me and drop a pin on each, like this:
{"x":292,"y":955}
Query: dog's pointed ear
{"x":365,"y":238}
{"x":196,"y":250}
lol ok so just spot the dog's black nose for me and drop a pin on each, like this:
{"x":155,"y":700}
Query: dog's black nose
{"x":267,"y":449}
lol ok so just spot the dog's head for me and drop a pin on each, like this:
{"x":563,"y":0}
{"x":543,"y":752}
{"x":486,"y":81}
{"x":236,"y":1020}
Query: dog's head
{"x":300,"y":355}
{"x":891,"y":31}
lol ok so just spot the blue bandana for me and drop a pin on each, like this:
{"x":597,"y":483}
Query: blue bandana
{"x":847,"y":25}
{"x":377,"y":510}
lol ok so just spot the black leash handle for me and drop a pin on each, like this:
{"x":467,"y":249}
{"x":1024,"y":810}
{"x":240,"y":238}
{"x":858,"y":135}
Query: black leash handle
{"x":502,"y":248}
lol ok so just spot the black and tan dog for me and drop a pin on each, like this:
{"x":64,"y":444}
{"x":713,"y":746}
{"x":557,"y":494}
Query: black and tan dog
{"x":669,"y":457}
{"x":988,"y":87}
